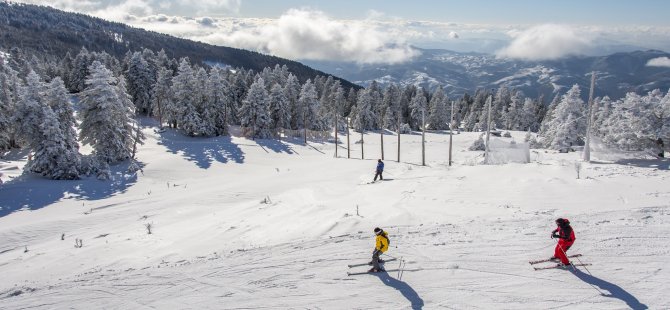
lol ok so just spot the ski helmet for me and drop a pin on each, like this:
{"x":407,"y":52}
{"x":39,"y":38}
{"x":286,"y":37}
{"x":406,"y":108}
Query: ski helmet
{"x":378,"y":230}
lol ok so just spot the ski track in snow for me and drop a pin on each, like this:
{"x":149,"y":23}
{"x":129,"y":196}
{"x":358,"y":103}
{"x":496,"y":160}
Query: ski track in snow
{"x":466,"y":236}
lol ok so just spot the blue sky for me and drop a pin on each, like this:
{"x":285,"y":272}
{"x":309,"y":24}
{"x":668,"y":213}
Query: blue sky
{"x":377,"y":31}
{"x":603,"y":12}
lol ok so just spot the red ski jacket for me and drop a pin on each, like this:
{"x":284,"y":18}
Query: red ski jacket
{"x":566,"y":235}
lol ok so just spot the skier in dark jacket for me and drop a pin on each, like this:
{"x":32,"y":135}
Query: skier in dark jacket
{"x":566,"y":237}
{"x":380,"y":169}
{"x":381,"y":245}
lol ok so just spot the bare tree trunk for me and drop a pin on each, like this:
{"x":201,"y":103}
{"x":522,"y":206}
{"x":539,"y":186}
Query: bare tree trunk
{"x":382,"y":142}
{"x":399,"y":113}
{"x":335,"y":135}
{"x":348,"y":145}
{"x":423,"y":138}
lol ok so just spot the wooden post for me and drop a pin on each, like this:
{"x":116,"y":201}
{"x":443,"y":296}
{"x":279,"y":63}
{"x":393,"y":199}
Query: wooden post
{"x":348,"y":145}
{"x":399,"y":116}
{"x":488,"y":129}
{"x":335,"y":135}
{"x":362,"y":142}
{"x":423,"y":137}
{"x":589,"y":120}
{"x":304,"y":123}
{"x":451,"y":131}
{"x":382,"y":142}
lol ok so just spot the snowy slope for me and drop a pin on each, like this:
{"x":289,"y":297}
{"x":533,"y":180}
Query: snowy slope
{"x":245,"y":224}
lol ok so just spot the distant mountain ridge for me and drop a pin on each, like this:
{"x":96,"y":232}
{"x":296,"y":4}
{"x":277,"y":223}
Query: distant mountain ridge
{"x":41,"y":29}
{"x":617,"y":74}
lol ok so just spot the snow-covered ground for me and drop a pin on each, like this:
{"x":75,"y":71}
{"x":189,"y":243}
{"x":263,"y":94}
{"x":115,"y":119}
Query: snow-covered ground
{"x":242,"y":224}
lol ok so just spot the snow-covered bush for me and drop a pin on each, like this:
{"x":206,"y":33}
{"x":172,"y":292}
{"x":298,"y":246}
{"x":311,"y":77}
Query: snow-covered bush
{"x":478,"y":145}
{"x":507,"y":134}
{"x":405,"y":128}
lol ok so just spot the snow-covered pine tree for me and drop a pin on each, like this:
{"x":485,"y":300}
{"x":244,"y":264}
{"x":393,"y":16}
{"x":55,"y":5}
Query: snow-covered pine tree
{"x":254,"y":111}
{"x":377,"y":104}
{"x":106,"y":116}
{"x":364,"y":117}
{"x":239,"y":89}
{"x":183,"y":102}
{"x":352,"y":98}
{"x":604,"y":105}
{"x":280,"y":112}
{"x":439,"y":112}
{"x":58,"y":98}
{"x":292,"y":93}
{"x":8,"y":82}
{"x":5,"y":122}
{"x":512,"y":113}
{"x":418,"y":107}
{"x":309,"y":101}
{"x":545,"y":126}
{"x":391,"y":104}
{"x":501,"y":101}
{"x":79,"y":71}
{"x":636,"y":122}
{"x":474,"y":110}
{"x":161,"y":96}
{"x":152,"y":61}
{"x":337,"y":101}
{"x":133,"y":124}
{"x":40,"y":129}
{"x":139,"y":80}
{"x":528,"y":116}
{"x":568,"y":126}
{"x":218,"y":96}
{"x":662,"y":118}
{"x":207,"y":109}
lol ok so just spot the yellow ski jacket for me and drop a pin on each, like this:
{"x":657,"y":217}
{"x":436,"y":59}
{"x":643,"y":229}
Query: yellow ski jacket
{"x":382,"y":242}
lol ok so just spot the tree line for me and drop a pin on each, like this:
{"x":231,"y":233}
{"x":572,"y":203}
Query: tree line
{"x":201,"y":100}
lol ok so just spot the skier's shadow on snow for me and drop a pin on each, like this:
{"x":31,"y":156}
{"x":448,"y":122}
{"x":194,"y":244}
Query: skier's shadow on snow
{"x":614,"y":290}
{"x":404,"y":288}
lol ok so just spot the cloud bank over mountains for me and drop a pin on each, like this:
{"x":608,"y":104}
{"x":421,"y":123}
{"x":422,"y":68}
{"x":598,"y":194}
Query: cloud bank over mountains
{"x":308,"y":34}
{"x":545,"y":42}
{"x":659,"y":62}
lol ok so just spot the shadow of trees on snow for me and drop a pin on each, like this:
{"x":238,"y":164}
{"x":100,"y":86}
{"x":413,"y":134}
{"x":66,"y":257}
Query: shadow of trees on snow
{"x":32,"y":192}
{"x":202,"y":150}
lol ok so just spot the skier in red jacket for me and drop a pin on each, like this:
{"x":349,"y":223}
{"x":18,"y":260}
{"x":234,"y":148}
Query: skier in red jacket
{"x":566,"y":237}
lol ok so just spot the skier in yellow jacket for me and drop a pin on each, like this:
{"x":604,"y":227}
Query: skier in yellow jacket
{"x":381,"y":246}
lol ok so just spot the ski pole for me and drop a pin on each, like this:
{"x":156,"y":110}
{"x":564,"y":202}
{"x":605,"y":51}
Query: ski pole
{"x":389,"y":255}
{"x":566,"y":256}
{"x":587,"y":270}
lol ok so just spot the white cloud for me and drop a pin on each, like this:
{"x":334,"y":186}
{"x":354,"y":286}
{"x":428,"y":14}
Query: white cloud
{"x":308,"y":34}
{"x":454,"y":35}
{"x":207,"y":21}
{"x":66,"y":5}
{"x":207,"y":6}
{"x":659,"y":62}
{"x":547,"y":41}
{"x":127,"y":10}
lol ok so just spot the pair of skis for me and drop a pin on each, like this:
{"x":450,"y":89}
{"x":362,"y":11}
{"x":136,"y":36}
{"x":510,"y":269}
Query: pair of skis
{"x":557,"y":266}
{"x":368,"y":264}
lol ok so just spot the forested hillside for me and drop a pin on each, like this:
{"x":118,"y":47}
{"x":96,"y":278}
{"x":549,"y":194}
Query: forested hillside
{"x":49,"y":32}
